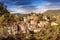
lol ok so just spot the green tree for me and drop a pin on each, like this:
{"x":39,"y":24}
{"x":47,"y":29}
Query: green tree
{"x":3,"y":9}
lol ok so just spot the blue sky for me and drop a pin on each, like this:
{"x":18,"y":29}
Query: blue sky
{"x":27,"y":6}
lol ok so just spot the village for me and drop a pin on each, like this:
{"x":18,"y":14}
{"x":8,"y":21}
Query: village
{"x":29,"y":23}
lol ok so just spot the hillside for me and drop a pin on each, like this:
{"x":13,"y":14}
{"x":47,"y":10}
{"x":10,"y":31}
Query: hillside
{"x":52,"y":12}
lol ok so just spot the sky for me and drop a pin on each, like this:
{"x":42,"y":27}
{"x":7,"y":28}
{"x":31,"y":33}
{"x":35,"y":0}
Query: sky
{"x":28,"y":6}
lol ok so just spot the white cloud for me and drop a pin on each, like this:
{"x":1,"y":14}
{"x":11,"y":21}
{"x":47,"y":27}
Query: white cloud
{"x":41,"y":8}
{"x":53,"y":6}
{"x":49,"y":6}
{"x":17,"y":10}
{"x":37,"y":9}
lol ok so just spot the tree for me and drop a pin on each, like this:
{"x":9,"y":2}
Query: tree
{"x":3,"y":9}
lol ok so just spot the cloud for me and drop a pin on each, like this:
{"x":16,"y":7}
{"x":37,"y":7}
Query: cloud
{"x":27,"y":6}
{"x":37,"y":9}
{"x":21,"y":9}
{"x":52,"y":1}
{"x":17,"y":10}
{"x":53,"y":6}
{"x":18,"y":2}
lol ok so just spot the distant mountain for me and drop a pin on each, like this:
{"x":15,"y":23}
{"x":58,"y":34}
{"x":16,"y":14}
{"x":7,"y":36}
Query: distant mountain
{"x":21,"y":15}
{"x":17,"y":14}
{"x":52,"y":12}
{"x":49,"y":12}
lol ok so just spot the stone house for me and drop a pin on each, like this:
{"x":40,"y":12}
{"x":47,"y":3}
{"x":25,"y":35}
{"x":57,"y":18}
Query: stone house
{"x":1,"y":30}
{"x":54,"y":24}
{"x":45,"y":18}
{"x":12,"y":30}
{"x":43,"y":23}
